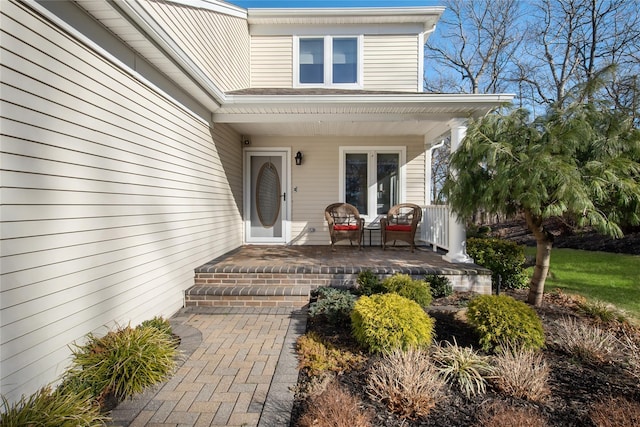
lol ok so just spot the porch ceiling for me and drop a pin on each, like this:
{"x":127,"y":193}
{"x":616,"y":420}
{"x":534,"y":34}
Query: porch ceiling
{"x":317,"y":113}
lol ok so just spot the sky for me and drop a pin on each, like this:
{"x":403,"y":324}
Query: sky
{"x":332,"y":3}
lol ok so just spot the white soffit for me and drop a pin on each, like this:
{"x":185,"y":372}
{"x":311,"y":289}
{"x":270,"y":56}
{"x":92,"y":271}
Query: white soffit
{"x":350,"y":115}
{"x":427,"y":16}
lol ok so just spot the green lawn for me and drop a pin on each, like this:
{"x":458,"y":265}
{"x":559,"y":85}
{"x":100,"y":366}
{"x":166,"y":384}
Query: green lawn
{"x":612,"y":278}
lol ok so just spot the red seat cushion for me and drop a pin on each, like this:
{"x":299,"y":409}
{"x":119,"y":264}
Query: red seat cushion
{"x":399,"y":227}
{"x":345,"y":227}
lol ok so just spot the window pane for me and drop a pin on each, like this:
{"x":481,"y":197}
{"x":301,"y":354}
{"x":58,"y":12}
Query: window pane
{"x":311,"y":60}
{"x":345,"y":60}
{"x":356,"y":181}
{"x":387,"y":181}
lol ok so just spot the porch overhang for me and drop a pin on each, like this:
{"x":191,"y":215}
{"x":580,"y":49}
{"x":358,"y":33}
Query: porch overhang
{"x":292,"y":112}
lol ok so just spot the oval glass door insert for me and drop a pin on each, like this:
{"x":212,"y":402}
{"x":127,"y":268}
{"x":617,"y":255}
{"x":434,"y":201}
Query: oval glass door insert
{"x":268,"y":194}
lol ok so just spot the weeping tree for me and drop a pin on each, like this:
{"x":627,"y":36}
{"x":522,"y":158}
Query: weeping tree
{"x":579,"y":163}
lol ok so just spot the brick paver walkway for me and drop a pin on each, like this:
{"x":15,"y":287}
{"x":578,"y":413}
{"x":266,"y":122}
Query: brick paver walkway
{"x":239,"y":369}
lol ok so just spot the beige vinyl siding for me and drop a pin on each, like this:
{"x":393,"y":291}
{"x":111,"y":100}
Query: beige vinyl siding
{"x":111,"y":195}
{"x":391,"y":62}
{"x":271,"y":61}
{"x":217,"y":42}
{"x":317,"y":180}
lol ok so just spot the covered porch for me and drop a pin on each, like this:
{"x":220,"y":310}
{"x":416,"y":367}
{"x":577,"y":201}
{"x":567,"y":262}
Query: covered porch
{"x":284,"y":276}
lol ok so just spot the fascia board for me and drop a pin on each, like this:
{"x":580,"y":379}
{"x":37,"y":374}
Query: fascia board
{"x":427,"y":99}
{"x":425,"y":16}
{"x":261,"y":13}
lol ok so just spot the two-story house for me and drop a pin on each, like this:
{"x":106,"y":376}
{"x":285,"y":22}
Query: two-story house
{"x":142,"y":138}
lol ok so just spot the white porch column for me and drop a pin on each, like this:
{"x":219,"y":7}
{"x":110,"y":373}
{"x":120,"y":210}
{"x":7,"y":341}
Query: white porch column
{"x":457,"y":230}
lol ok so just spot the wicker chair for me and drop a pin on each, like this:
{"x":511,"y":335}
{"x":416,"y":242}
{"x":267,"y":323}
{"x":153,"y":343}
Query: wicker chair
{"x":401,"y":223}
{"x":344,"y":223}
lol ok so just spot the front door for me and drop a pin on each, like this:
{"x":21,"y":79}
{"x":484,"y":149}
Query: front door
{"x":266,"y":201}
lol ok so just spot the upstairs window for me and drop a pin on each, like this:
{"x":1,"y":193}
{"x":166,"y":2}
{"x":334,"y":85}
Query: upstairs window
{"x":328,"y":61}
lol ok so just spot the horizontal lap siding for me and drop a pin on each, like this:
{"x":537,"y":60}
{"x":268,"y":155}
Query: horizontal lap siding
{"x":317,"y":181}
{"x":219,"y":43}
{"x":111,"y":196}
{"x":391,"y":63}
{"x":271,"y":61}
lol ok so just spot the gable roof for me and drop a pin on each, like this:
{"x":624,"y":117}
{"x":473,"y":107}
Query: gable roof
{"x":297,"y":111}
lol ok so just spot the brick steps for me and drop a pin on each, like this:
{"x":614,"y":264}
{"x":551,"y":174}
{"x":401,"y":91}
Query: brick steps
{"x":260,"y":289}
{"x":275,"y":287}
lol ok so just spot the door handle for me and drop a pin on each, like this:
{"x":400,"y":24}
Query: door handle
{"x":284,"y":197}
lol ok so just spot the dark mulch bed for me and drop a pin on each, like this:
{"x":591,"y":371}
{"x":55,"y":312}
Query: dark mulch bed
{"x":574,"y":386}
{"x":567,"y":237}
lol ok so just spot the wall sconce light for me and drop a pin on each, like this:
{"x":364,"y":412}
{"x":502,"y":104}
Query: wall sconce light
{"x":298,"y":158}
{"x":245,"y":140}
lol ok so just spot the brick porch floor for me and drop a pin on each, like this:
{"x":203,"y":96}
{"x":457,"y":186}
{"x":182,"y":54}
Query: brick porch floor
{"x":283,"y":276}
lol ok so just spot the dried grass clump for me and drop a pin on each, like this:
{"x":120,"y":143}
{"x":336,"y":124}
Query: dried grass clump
{"x":503,"y":415}
{"x":586,"y":342}
{"x":407,"y":382}
{"x":314,"y":386}
{"x":631,"y":351}
{"x":601,"y":312}
{"x":335,"y":407}
{"x":462,"y":366}
{"x":615,"y":412}
{"x":521,"y":373}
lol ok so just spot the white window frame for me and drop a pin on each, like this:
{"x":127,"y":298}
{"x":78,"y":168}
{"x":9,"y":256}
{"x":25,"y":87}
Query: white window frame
{"x":372,"y":189}
{"x":328,"y":62}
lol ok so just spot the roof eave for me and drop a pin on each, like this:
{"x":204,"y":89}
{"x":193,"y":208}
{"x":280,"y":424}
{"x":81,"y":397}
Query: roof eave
{"x":474,"y":103}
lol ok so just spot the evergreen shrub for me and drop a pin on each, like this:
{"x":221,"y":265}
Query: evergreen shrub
{"x":388,"y":321}
{"x":500,"y":319}
{"x":405,"y":286}
{"x":369,"y":284}
{"x":503,"y":258}
{"x":334,"y":304}
{"x":440,"y":286}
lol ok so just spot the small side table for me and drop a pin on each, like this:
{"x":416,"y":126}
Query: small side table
{"x":371,"y":227}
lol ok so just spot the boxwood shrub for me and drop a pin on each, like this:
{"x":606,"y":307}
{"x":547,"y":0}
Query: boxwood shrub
{"x":384,"y":322}
{"x":369,"y":284}
{"x":500,"y":319}
{"x":405,"y":286}
{"x":503,"y":258}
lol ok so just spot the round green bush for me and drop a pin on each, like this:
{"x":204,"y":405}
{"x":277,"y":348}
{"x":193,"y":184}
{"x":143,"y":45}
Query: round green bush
{"x":500,"y":319}
{"x":369,"y":284}
{"x":440,"y":286}
{"x":334,"y":304}
{"x":504,"y":258}
{"x":385,"y":322}
{"x":405,"y":286}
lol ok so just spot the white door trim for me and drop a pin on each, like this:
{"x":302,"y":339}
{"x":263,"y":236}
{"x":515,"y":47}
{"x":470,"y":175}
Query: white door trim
{"x":285,"y":188}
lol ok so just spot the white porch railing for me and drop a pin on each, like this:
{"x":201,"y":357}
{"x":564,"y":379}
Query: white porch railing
{"x":435,"y":226}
